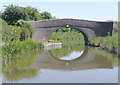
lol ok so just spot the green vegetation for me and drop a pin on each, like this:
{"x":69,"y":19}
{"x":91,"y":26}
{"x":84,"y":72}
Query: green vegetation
{"x":109,"y":43}
{"x":10,"y":33}
{"x":14,"y":13}
{"x":21,"y":23}
{"x":67,"y":36}
{"x":16,"y":38}
{"x":15,"y":32}
{"x":46,"y":15}
{"x":17,"y":47}
{"x":0,"y":48}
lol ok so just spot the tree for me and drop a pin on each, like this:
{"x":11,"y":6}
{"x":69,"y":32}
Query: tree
{"x":11,"y":14}
{"x":46,"y":15}
{"x":32,"y":13}
{"x":14,"y":13}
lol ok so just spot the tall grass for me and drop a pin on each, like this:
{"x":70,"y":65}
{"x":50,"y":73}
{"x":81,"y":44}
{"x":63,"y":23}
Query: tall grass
{"x":18,"y":47}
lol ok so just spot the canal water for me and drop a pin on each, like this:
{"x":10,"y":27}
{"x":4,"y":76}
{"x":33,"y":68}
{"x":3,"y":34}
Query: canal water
{"x":62,"y":64}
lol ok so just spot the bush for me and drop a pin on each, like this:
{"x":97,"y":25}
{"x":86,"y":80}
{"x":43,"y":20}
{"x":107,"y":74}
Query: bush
{"x":22,"y":23}
{"x":10,"y":33}
{"x":25,"y":34}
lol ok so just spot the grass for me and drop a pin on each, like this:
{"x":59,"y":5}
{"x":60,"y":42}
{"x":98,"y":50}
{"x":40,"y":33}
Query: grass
{"x":109,"y":43}
{"x":67,"y":37}
{"x":17,"y":47}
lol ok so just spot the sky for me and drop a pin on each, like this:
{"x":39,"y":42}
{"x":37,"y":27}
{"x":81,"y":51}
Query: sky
{"x":97,"y":11}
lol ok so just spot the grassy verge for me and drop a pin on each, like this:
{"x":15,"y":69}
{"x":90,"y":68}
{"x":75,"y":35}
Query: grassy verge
{"x":17,"y":47}
{"x":109,"y":43}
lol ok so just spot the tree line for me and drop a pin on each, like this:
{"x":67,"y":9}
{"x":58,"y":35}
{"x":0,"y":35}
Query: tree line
{"x":13,"y":13}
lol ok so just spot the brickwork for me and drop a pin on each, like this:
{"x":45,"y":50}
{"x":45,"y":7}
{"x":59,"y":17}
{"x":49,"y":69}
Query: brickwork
{"x":90,"y":29}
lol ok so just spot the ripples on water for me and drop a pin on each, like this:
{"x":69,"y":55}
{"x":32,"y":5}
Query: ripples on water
{"x":62,"y":64}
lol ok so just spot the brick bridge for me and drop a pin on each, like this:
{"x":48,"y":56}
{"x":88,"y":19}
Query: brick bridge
{"x":90,"y":29}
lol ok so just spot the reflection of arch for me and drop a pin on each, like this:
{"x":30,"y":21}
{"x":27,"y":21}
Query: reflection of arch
{"x":88,"y":60}
{"x":84,"y":53}
{"x":90,"y":29}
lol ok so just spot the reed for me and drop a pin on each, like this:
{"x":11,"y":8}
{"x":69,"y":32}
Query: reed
{"x":17,"y":47}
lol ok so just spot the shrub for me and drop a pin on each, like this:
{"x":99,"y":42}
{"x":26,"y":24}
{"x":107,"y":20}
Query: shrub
{"x":10,"y":33}
{"x":22,"y":23}
{"x":25,"y":34}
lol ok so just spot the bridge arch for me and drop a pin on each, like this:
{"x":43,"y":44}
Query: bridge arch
{"x":87,"y":35}
{"x":89,"y":29}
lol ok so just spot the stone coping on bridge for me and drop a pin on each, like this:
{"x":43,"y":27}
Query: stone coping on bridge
{"x":69,"y":19}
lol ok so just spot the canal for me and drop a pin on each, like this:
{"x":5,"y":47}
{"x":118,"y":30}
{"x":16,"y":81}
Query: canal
{"x":62,"y":64}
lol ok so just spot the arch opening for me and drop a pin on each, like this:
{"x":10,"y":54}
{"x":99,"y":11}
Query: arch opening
{"x":66,"y":35}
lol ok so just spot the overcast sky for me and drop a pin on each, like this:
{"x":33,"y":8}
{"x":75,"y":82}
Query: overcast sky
{"x":98,"y":11}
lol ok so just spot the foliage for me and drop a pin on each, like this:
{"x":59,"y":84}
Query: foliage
{"x":9,"y":33}
{"x":22,"y":23}
{"x":67,"y":36}
{"x":46,"y":15}
{"x":25,"y":34}
{"x":22,"y":31}
{"x":18,"y":47}
{"x":13,"y":13}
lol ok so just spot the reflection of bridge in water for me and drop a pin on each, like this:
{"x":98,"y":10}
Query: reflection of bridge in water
{"x":87,"y":61}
